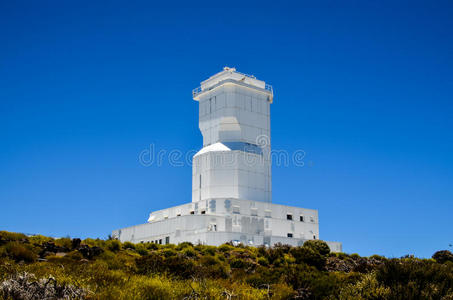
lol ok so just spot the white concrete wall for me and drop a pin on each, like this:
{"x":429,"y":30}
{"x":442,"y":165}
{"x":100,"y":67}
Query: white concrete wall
{"x":200,"y":229}
{"x":238,"y":216}
{"x":230,"y":174}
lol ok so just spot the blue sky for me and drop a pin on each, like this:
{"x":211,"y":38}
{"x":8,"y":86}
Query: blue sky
{"x":365,"y":88}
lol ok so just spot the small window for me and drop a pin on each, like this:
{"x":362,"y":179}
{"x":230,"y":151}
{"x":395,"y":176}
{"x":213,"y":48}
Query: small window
{"x":178,"y":215}
{"x":290,"y":235}
{"x":302,"y":219}
{"x":312,"y":219}
{"x":314,"y":237}
{"x":167,"y":240}
{"x":160,"y":241}
{"x":192,"y":212}
{"x":236,"y":210}
{"x":289,"y":217}
{"x":203,"y":212}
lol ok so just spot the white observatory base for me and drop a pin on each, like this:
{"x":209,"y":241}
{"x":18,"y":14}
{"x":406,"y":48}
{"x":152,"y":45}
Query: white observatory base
{"x":218,"y":221}
{"x":231,"y":176}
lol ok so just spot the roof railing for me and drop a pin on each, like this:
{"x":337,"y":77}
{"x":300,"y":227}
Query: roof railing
{"x":196,"y":91}
{"x":199,"y":90}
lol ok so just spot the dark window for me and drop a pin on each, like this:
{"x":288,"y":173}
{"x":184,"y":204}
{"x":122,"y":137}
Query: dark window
{"x":160,"y":241}
{"x":167,"y":240}
{"x":302,"y":218}
{"x":289,"y":217}
{"x":178,"y":215}
{"x":290,"y":235}
{"x":314,"y":237}
{"x":203,"y":212}
{"x":192,"y":212}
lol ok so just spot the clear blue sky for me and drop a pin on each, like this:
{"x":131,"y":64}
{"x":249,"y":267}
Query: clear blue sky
{"x":365,"y":88}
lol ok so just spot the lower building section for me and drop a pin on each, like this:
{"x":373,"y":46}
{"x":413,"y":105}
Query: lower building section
{"x":217,"y":221}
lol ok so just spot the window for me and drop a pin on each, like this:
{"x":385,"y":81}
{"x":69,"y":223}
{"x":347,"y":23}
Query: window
{"x":192,"y":212}
{"x":314,"y":237}
{"x":290,"y":235}
{"x":312,"y":219}
{"x":302,"y":218}
{"x":203,"y":212}
{"x":178,"y":215}
{"x":235,"y":209}
{"x":160,"y":241}
{"x":267,"y":213}
{"x":167,"y":240}
{"x":289,"y":217}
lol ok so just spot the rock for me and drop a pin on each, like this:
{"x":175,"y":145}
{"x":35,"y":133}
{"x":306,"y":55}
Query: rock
{"x":76,"y":243}
{"x":90,"y":252}
{"x":25,"y":286}
{"x":50,"y":247}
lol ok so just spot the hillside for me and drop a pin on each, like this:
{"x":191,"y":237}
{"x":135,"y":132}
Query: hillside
{"x":39,"y":267}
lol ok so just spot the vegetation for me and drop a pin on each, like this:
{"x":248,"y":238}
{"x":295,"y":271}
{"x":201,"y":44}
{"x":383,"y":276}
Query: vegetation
{"x":37,"y":267}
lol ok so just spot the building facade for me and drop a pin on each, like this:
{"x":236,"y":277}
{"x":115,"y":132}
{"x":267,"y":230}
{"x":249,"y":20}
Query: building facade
{"x":231,"y":176}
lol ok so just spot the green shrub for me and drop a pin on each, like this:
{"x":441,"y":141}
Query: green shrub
{"x":169,"y":252}
{"x":416,"y":278}
{"x":318,"y":246}
{"x":225,"y":248}
{"x":189,"y":252}
{"x":11,"y":236}
{"x":263,"y":261}
{"x":128,"y":245}
{"x":309,"y":256}
{"x":184,"y":245}
{"x":19,"y":252}
{"x":113,"y":245}
{"x":152,"y":246}
{"x":443,"y":256}
{"x":64,"y":242}
{"x":366,"y":288}
{"x":354,"y":256}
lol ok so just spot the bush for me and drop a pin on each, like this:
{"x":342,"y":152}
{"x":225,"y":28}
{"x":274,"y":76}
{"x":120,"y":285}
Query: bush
{"x":189,"y":252}
{"x":64,"y":243}
{"x":204,"y":272}
{"x":19,"y":252}
{"x":6,"y":236}
{"x":318,"y":246}
{"x":225,"y":248}
{"x":128,"y":245}
{"x":309,"y":256}
{"x":443,"y":256}
{"x":184,"y":245}
{"x":263,"y":261}
{"x":416,"y":278}
{"x":113,"y":245}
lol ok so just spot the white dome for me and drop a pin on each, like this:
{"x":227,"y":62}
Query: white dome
{"x":217,"y":147}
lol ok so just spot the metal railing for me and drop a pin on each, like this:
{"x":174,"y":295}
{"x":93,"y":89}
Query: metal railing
{"x":199,"y":90}
{"x":196,"y":91}
{"x":269,"y":88}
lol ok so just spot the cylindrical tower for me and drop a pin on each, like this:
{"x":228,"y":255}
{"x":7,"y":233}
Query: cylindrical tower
{"x":234,"y":119}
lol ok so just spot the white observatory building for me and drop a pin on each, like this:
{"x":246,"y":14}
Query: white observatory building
{"x":231,"y":176}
